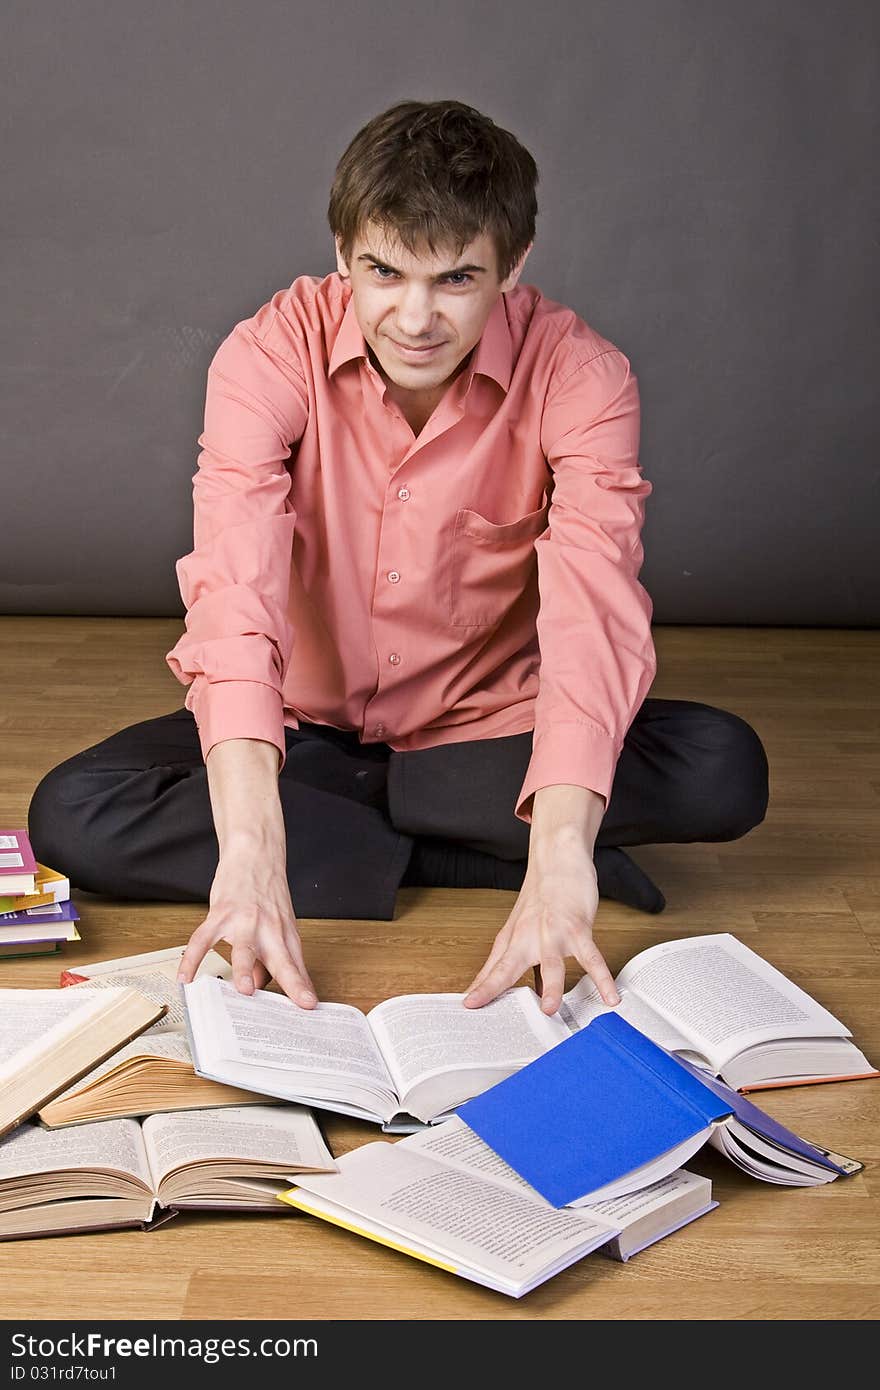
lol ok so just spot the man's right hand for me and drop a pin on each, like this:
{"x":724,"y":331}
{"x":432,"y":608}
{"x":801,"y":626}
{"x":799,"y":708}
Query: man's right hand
{"x":255,"y":915}
{"x":249,"y":904}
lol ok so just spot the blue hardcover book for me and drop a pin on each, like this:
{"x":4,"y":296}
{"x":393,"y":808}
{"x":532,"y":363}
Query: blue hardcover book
{"x":607,"y":1111}
{"x":602,"y":1103}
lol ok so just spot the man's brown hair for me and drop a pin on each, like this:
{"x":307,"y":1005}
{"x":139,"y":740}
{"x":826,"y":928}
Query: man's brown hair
{"x":440,"y":174}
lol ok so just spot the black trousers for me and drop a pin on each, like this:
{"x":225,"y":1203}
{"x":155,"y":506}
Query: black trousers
{"x":131,"y":816}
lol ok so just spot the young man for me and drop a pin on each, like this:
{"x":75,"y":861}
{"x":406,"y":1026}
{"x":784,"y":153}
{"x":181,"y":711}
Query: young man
{"x":417,"y":649}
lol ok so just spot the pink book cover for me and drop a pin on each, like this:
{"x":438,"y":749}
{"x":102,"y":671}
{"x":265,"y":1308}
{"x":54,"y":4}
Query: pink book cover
{"x":16,"y":855}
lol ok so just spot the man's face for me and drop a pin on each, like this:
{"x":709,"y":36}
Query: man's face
{"x":436,"y":303}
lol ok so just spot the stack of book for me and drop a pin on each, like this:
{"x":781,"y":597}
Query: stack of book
{"x":36,"y":914}
{"x":125,"y":1098}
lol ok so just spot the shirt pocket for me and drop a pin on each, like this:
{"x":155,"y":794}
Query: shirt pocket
{"x":492,"y":565}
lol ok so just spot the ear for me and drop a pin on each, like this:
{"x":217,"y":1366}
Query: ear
{"x":340,"y":262}
{"x":516,"y":272}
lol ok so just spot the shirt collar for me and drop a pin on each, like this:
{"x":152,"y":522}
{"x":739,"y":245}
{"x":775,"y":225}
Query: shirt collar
{"x":493,"y":353}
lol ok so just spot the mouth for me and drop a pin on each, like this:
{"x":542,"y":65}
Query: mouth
{"x":415,"y":354}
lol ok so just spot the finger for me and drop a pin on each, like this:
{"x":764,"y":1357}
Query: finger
{"x":506,"y":972}
{"x":552,"y":970}
{"x":489,"y":965}
{"x":499,"y":946}
{"x":244,"y":958}
{"x":261,"y":975}
{"x":201,"y":941}
{"x":295,"y":983}
{"x":592,"y":960}
{"x":295,"y":952}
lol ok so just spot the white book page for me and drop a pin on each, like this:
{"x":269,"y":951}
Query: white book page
{"x":737,"y":1134}
{"x":422,"y":1035}
{"x":49,"y":931}
{"x":34,"y":1020}
{"x":723,"y":996}
{"x":623,"y":1211}
{"x":268,"y":1030}
{"x":583,"y":1003}
{"x":112,"y":1144}
{"x":286,"y":1139}
{"x":154,"y":975}
{"x":454,"y":1144}
{"x":460,"y":1215}
{"x":154,"y":986}
{"x":166,"y":962}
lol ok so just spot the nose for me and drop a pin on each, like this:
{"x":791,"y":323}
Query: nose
{"x":414,"y":315}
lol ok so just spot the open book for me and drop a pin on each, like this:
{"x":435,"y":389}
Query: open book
{"x":710,"y":999}
{"x":608,"y":1112}
{"x":49,"y":1037}
{"x":154,"y":1073}
{"x":716,"y":1002}
{"x":417,"y":1055}
{"x":121,"y":1173}
{"x":444,"y":1197}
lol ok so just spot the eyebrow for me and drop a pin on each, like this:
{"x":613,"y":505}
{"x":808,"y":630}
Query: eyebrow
{"x":456,"y":270}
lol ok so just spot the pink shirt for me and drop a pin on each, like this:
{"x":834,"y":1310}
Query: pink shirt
{"x":474,"y":581}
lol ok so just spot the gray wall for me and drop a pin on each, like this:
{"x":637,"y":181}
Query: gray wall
{"x":705,"y":203}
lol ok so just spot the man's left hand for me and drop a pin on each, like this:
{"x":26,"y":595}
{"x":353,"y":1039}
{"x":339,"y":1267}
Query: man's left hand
{"x":553,"y":916}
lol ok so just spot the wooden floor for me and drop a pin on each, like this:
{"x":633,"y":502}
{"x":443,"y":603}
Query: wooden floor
{"x":803,"y":889}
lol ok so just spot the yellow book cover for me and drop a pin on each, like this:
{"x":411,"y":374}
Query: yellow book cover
{"x":49,"y":887}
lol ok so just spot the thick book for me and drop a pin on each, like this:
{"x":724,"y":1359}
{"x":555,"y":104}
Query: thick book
{"x":608,"y":1112}
{"x":49,"y":887}
{"x":714,"y":1001}
{"x":444,"y":1197}
{"x":33,"y":941}
{"x":418,"y":1055}
{"x":21,"y":929}
{"x":154,"y":1073}
{"x":124,"y":1173}
{"x":421,"y":1056}
{"x":18,"y":867}
{"x":50,"y":1037}
{"x":56,"y":915}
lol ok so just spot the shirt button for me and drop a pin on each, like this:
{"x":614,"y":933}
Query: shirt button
{"x":394,"y":658}
{"x":379,"y":730}
{"x":393,"y":577}
{"x":404,"y":494}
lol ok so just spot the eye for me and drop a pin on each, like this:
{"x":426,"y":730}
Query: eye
{"x":458,"y":278}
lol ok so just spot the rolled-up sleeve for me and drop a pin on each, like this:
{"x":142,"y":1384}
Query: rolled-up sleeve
{"x":235,"y":582}
{"x":594,"y":621}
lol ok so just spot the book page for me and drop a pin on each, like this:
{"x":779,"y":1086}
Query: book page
{"x":268,"y":1030}
{"x":422,"y":1034}
{"x":287,"y":1139}
{"x":153,"y":985}
{"x":32,"y":1020}
{"x":623,"y":1211}
{"x":113,"y":1144}
{"x":453,"y":1143}
{"x":169,"y":1045}
{"x":463,"y":1216}
{"x":723,"y":996}
{"x":154,"y":975}
{"x":165,"y":961}
{"x":583,"y":1003}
